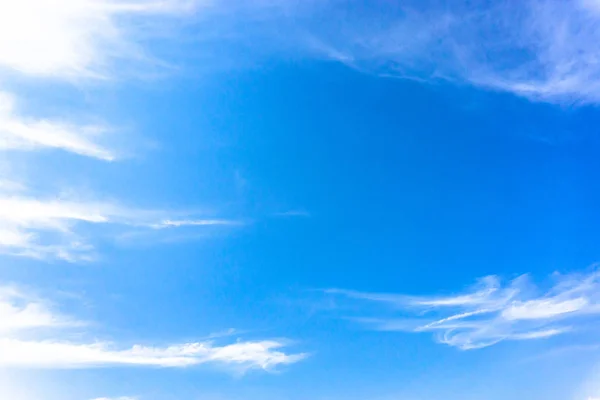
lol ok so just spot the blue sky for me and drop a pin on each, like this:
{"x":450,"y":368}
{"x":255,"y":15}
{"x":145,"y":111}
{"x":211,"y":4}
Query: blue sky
{"x":222,"y":200}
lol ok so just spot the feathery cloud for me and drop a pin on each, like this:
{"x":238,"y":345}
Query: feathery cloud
{"x":540,"y":49}
{"x":492,"y":312}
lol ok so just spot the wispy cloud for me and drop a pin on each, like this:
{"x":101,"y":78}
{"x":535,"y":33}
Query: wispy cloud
{"x":52,"y":227}
{"x":20,"y":133}
{"x":22,"y":314}
{"x":541,"y":49}
{"x":491,"y":312}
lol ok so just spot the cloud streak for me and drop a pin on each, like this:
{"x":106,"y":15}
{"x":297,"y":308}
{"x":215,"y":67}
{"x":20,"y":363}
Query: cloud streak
{"x":20,"y":314}
{"x":116,"y":398}
{"x":491,"y":312}
{"x":59,"y":355}
{"x":169,"y":223}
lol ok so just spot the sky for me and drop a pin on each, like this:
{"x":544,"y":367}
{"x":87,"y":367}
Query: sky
{"x":293,"y":200}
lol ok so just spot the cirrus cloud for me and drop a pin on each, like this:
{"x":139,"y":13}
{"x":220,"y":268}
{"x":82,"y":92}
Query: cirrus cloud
{"x":491,"y":312}
{"x":544,"y":50}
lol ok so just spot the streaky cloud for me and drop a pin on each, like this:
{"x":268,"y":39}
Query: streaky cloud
{"x":169,"y":223}
{"x":491,"y":312}
{"x":24,"y":343}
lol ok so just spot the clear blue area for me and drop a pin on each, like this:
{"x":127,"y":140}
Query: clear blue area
{"x":344,"y":180}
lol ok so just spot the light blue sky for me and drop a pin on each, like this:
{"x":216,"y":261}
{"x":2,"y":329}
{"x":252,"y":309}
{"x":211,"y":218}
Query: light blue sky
{"x":222,"y":200}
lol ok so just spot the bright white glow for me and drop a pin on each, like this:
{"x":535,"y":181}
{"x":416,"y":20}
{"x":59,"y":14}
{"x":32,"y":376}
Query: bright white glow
{"x":72,"y":38}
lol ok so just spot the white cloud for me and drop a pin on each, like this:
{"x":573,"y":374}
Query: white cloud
{"x":491,"y":312}
{"x":20,"y":313}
